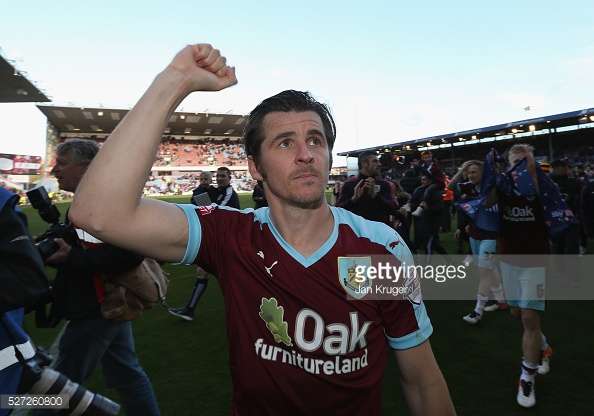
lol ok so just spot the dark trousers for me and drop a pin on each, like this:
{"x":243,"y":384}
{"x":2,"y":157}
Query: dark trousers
{"x":565,"y":249}
{"x":446,"y":223}
{"x":431,"y":245}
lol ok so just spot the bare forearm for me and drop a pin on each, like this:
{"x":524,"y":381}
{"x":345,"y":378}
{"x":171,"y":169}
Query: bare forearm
{"x":453,"y":184}
{"x":111,"y":183}
{"x":423,"y":385}
{"x":108,"y":201}
{"x":432,"y":399}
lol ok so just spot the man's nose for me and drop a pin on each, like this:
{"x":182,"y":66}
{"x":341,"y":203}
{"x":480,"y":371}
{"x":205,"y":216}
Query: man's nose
{"x":304,"y":152}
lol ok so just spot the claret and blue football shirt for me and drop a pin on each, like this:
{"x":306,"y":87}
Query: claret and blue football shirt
{"x":297,"y":345}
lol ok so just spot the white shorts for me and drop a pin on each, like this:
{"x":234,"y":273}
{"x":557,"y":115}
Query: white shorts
{"x":483,"y":252}
{"x":524,"y":286}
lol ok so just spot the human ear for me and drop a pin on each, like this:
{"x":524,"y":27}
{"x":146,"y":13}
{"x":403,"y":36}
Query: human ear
{"x":254,"y":171}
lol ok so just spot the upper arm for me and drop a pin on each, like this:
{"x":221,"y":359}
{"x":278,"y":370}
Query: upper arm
{"x":454,"y":187}
{"x":154,"y":229}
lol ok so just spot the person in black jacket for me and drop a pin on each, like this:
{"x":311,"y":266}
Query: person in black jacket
{"x":258,"y":196}
{"x":569,"y":242}
{"x":368,"y":195}
{"x":430,"y":220}
{"x":587,"y":206}
{"x":89,"y":339}
{"x":410,"y":181}
{"x":225,"y":196}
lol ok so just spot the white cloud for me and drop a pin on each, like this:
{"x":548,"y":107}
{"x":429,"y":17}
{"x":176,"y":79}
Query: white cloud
{"x":278,"y":73}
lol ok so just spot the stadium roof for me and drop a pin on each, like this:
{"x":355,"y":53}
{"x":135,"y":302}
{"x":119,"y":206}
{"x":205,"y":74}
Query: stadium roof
{"x":506,"y":130}
{"x":78,"y":120}
{"x":15,"y":87}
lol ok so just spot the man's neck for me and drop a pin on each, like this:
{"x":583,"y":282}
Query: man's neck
{"x":306,"y":230}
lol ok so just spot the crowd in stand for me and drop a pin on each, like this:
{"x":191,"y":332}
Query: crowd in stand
{"x":182,"y":152}
{"x":204,"y":152}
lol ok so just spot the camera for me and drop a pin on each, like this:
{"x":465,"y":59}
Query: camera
{"x":38,"y":378}
{"x":50,"y":214}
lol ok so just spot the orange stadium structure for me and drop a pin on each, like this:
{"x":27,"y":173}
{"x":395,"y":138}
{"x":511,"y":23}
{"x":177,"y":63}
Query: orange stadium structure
{"x":192,"y":141}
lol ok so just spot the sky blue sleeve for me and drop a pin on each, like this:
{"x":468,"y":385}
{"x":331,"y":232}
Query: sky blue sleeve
{"x":414,"y":338}
{"x":194,"y":233}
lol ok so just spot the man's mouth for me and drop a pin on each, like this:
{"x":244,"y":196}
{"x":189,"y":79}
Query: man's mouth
{"x":307,"y":174}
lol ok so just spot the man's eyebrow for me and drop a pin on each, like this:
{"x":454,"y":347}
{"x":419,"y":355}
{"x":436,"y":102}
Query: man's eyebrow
{"x":286,"y":134}
{"x":283,"y":135}
{"x":316,"y":132}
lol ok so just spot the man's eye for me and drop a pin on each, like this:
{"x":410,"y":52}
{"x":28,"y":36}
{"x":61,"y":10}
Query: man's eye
{"x":284,"y":143}
{"x":315,"y":142}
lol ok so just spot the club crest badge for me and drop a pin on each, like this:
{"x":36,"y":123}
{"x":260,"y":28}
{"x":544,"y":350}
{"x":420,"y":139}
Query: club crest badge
{"x":352,"y":276}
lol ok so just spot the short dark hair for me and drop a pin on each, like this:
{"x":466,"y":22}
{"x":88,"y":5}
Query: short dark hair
{"x":364,"y":157}
{"x":425,"y":172}
{"x":285,"y":102}
{"x":82,"y":151}
{"x":558,"y":163}
{"x":225,"y":169}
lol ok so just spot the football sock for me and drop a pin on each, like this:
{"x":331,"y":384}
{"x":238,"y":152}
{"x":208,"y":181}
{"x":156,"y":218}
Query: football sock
{"x":498,"y":292}
{"x":199,"y":289}
{"x":481,"y":301}
{"x":528,"y":371}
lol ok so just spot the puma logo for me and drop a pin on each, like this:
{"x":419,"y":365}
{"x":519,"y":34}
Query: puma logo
{"x":270,"y":268}
{"x":394,"y":243}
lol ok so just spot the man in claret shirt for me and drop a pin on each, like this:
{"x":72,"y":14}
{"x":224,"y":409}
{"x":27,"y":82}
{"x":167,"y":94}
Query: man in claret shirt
{"x":293,"y":334}
{"x":523,"y":245}
{"x":483,"y":246}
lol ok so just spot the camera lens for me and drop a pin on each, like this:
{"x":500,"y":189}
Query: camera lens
{"x":47,"y":247}
{"x":81,"y":401}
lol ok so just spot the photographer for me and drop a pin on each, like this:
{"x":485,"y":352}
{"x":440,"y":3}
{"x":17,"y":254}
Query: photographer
{"x":14,"y":239}
{"x":90,"y":339}
{"x":23,"y":367}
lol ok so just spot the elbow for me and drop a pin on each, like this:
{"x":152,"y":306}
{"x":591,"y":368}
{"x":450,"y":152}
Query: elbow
{"x":87,"y":219}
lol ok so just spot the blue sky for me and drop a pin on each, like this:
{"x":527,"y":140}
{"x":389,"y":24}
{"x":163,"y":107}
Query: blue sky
{"x":423,"y":68}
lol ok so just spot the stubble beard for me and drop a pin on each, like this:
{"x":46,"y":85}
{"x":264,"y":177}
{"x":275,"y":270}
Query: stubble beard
{"x":306,"y":197}
{"x":310,"y":201}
